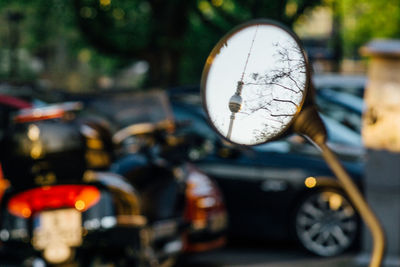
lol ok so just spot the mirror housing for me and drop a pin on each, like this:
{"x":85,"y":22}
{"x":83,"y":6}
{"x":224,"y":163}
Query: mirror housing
{"x":256,"y":80}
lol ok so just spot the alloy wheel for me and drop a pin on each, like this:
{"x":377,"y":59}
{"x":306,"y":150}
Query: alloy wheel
{"x":326,"y":224}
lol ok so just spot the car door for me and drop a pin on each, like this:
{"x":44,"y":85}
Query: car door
{"x":261,"y":184}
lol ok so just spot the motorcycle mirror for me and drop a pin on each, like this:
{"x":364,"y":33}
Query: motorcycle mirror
{"x":254,"y":85}
{"x":254,"y":82}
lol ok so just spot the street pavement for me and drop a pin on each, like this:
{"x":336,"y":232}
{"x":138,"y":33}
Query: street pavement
{"x":257,"y":255}
{"x":266,"y":255}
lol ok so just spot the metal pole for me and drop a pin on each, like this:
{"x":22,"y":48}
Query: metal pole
{"x":360,"y":204}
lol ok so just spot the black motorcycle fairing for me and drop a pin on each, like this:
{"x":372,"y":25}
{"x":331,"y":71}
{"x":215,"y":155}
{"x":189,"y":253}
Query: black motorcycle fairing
{"x":161,"y":194}
{"x":43,"y":153}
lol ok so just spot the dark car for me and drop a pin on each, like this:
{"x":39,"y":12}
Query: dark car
{"x":283,"y":189}
{"x":344,"y":107}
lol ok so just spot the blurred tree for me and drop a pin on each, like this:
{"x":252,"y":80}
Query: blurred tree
{"x":50,"y":40}
{"x":174,"y":37}
{"x":364,"y":20}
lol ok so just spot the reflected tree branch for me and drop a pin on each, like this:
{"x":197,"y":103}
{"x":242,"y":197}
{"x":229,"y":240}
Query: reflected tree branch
{"x":282,"y":115}
{"x":285,"y":101}
{"x":270,"y":101}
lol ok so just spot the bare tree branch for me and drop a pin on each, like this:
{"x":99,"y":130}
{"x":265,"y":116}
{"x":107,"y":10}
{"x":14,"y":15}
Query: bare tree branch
{"x":285,"y":101}
{"x":287,"y":76}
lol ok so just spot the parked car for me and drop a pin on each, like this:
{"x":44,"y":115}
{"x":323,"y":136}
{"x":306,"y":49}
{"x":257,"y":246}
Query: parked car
{"x":283,"y":189}
{"x":353,"y":84}
{"x":344,"y":107}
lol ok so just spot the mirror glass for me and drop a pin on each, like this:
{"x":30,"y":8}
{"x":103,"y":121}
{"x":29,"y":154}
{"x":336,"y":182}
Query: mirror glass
{"x":254,"y":82}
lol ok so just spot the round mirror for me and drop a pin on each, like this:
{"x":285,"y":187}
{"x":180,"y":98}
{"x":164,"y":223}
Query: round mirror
{"x":254,"y":82}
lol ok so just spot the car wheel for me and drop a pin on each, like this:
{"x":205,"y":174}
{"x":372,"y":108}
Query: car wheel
{"x":326,"y":224}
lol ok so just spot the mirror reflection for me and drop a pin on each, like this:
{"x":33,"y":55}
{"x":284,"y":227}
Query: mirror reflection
{"x":254,"y":83}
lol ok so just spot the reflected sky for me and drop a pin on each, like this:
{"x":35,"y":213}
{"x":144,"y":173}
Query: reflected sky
{"x":274,"y":80}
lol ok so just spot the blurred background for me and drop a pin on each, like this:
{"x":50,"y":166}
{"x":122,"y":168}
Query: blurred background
{"x":102,"y":44}
{"x":61,"y":50}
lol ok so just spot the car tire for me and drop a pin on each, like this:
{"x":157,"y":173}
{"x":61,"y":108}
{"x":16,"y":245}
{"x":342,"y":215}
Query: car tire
{"x":325,"y":223}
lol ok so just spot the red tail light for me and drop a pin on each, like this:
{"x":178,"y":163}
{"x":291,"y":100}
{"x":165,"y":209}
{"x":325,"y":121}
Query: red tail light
{"x":202,"y":199}
{"x":26,"y":203}
{"x":205,"y":210}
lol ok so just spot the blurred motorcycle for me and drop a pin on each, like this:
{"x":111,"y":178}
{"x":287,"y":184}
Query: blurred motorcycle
{"x":166,"y":161}
{"x":58,"y":212}
{"x":153,"y":152}
{"x":62,"y":207}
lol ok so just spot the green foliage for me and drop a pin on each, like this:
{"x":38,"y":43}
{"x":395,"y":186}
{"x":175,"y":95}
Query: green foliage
{"x":364,"y":20}
{"x":173,"y":36}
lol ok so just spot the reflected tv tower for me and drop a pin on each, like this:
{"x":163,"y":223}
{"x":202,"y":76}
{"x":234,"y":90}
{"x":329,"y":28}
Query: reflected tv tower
{"x":235,"y":102}
{"x":235,"y":105}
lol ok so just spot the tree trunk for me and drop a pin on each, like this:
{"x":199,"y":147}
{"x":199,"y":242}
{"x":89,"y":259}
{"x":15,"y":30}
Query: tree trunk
{"x":163,"y":68}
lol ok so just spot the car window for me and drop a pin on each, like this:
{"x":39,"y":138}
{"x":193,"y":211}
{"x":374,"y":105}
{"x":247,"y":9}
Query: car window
{"x":337,"y":132}
{"x":197,"y":120}
{"x":349,"y":101}
{"x":132,"y":108}
{"x":340,"y":134}
{"x":342,"y":107}
{"x":281,"y":146}
{"x":342,"y":114}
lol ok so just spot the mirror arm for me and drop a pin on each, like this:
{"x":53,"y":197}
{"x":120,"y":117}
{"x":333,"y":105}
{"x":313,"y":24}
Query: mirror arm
{"x":366,"y":213}
{"x":309,"y":123}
